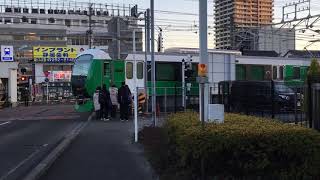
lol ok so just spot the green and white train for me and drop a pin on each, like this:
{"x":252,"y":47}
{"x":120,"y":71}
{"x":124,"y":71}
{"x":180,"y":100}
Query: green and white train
{"x":94,"y":68}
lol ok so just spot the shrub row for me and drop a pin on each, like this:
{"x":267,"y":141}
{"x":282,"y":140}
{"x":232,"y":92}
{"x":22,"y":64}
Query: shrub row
{"x":244,"y":147}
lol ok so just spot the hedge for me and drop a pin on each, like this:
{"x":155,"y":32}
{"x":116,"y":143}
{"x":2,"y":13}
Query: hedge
{"x":244,"y":147}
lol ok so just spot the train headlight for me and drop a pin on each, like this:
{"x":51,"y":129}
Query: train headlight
{"x":284,"y":97}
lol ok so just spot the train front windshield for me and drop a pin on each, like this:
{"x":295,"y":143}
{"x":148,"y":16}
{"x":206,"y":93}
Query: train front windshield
{"x":82,"y":65}
{"x":79,"y":75}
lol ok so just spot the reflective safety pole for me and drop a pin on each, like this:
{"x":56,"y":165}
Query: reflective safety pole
{"x":47,"y":92}
{"x":135,"y":87}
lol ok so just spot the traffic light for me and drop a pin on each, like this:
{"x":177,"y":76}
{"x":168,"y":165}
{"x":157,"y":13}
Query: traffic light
{"x":23,"y":78}
{"x":134,"y":11}
{"x":188,"y":72}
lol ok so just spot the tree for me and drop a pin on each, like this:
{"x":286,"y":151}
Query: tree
{"x":313,"y":76}
{"x":314,"y":69}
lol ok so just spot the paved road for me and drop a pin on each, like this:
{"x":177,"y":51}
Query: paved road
{"x":103,"y":150}
{"x":27,"y":134}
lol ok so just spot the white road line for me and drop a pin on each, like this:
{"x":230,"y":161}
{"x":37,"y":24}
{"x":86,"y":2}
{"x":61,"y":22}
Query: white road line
{"x":8,"y":122}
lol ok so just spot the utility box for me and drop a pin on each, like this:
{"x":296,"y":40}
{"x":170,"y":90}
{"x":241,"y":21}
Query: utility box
{"x":215,"y":113}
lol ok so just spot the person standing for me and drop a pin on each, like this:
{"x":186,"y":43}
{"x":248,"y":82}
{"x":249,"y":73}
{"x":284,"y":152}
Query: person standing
{"x":124,"y":98}
{"x":114,"y":100}
{"x":107,"y":103}
{"x":25,"y":96}
{"x":96,"y":103}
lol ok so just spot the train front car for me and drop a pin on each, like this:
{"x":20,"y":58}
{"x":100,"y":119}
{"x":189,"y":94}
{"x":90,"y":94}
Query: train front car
{"x":84,"y":78}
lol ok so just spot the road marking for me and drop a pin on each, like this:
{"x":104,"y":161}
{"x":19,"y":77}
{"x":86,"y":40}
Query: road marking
{"x":22,"y":163}
{"x":8,"y":122}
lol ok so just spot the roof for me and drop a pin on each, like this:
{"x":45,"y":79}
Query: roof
{"x":183,"y":50}
{"x":260,"y":53}
{"x":302,"y":54}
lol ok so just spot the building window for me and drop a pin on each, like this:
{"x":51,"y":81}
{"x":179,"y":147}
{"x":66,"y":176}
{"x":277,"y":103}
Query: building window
{"x":67,"y":22}
{"x":140,"y":70}
{"x":18,"y":37}
{"x":31,"y":38}
{"x":7,"y":21}
{"x":129,"y":70}
{"x":33,"y":21}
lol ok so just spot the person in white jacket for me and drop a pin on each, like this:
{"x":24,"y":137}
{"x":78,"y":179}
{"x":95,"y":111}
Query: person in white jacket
{"x":96,"y":103}
{"x":114,"y":100}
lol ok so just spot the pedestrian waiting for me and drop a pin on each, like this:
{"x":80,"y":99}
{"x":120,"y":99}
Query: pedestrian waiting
{"x":114,"y":100}
{"x":124,"y":98}
{"x":96,"y":103}
{"x":105,"y":103}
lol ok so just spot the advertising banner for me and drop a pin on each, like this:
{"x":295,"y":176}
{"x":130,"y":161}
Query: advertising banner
{"x":54,"y":54}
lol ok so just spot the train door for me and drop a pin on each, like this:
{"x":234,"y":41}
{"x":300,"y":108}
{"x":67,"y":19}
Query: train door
{"x":131,"y":72}
{"x":118,"y":72}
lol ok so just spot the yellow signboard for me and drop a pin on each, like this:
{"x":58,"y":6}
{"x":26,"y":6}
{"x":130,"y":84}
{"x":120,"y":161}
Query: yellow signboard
{"x":54,"y":54}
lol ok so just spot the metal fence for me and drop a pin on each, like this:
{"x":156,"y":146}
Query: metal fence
{"x":270,"y":99}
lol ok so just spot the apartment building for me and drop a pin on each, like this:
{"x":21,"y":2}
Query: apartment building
{"x":234,"y":17}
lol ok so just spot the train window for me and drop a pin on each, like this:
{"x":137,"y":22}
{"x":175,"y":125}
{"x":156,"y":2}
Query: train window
{"x":296,"y":72}
{"x":281,"y":72}
{"x":274,"y":72}
{"x":129,"y":70}
{"x":140,"y":70}
{"x":106,"y":69}
{"x":82,"y":65}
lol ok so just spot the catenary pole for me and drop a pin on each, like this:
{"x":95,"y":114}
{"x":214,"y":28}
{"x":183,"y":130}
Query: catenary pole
{"x":203,"y":43}
{"x":153,"y":66}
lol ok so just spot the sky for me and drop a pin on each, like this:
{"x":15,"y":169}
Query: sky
{"x":179,"y":30}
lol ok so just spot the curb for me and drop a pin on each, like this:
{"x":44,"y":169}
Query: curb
{"x":46,"y":163}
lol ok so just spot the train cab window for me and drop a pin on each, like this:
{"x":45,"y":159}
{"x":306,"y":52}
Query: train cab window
{"x":140,"y":70}
{"x":296,"y":72}
{"x":82,"y":65}
{"x":129,"y":70}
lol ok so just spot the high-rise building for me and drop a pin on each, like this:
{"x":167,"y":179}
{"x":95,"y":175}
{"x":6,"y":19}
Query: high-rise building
{"x":233,"y":19}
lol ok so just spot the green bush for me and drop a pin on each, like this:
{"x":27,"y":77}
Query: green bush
{"x":244,"y":147}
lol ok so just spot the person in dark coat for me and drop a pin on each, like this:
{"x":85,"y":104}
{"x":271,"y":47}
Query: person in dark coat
{"x":106,"y":103}
{"x":124,"y":99}
{"x":25,"y":96}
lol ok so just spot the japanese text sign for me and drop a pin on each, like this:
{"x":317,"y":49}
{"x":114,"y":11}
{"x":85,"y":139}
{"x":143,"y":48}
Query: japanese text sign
{"x":54,"y":54}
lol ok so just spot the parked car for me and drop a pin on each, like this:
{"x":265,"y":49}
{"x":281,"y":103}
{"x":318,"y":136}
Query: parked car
{"x":260,"y":96}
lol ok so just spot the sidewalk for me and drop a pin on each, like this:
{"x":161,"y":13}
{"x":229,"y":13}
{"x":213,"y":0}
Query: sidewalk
{"x":103,"y":150}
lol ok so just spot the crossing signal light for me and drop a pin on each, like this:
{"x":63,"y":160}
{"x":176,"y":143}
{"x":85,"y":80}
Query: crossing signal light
{"x":202,"y":70}
{"x":23,"y":78}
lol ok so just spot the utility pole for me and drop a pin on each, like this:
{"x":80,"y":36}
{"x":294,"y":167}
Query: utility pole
{"x":89,"y":32}
{"x":203,"y":37}
{"x":153,"y":68}
{"x":147,"y":51}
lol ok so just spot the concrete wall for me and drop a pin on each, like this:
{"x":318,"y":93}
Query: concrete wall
{"x":4,"y":68}
{"x":8,"y":70}
{"x":221,"y":68}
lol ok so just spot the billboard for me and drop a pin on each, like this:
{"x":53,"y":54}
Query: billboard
{"x":7,"y":53}
{"x":54,"y":54}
